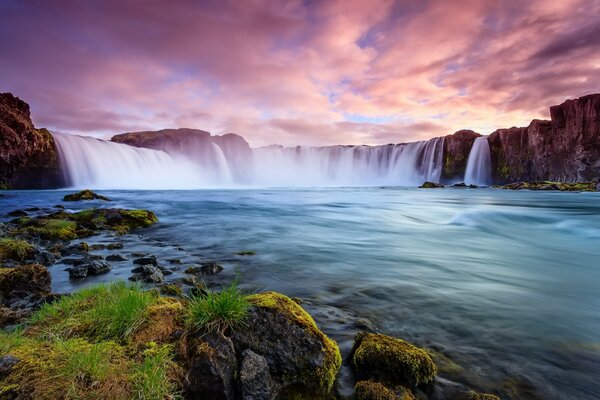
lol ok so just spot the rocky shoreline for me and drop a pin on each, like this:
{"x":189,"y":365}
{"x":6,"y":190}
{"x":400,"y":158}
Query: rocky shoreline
{"x":166,"y":340}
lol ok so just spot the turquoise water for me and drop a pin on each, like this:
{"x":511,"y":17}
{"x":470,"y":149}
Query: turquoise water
{"x":505,"y":283}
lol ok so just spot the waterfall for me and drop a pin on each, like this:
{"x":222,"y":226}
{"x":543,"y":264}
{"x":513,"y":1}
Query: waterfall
{"x":96,"y":163}
{"x":479,"y":164}
{"x":99,"y":164}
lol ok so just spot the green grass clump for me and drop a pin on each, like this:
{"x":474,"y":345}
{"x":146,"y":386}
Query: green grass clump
{"x":105,"y":312}
{"x":50,"y":228}
{"x":218,"y":311}
{"x":15,"y":249}
{"x":152,"y":377}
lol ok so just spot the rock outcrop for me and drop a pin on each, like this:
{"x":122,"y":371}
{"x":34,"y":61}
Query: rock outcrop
{"x":28,"y":156}
{"x":456,"y":154}
{"x":196,"y":144}
{"x":564,"y":149}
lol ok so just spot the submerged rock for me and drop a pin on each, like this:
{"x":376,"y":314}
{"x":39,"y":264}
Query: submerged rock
{"x":558,"y":186}
{"x":372,"y":390}
{"x":431,"y":185}
{"x":150,"y":260}
{"x":391,"y":360}
{"x":115,"y":257}
{"x":209,"y":268}
{"x":115,"y":246}
{"x":85,"y":195}
{"x":300,"y":356}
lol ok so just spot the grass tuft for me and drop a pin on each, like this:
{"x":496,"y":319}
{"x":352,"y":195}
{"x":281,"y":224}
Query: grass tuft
{"x":15,"y":249}
{"x":151,"y":378}
{"x":219,"y":311}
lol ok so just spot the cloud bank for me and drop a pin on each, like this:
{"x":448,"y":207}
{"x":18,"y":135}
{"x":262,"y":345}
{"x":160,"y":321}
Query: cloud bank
{"x":298,"y":72}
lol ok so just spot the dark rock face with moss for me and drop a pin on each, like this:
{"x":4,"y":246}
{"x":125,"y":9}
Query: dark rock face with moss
{"x":28,"y":156}
{"x":564,"y":149}
{"x":456,"y":154}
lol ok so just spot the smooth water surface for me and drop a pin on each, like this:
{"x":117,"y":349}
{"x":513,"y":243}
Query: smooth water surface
{"x":505,"y":283}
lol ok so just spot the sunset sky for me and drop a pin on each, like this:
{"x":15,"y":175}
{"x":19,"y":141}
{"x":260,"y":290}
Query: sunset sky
{"x":298,"y":72}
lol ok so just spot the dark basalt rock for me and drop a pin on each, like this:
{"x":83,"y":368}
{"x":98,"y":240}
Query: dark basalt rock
{"x":85,"y":195}
{"x":115,"y":257}
{"x":29,"y":158}
{"x":147,"y":273}
{"x":212,"y":367}
{"x":78,"y":272}
{"x":150,"y":260}
{"x":22,"y":289}
{"x":17,"y":213}
{"x":6,"y":365}
{"x":431,"y":185}
{"x":456,"y":154}
{"x":301,"y":358}
{"x":255,"y":378}
{"x":115,"y":246}
{"x":209,"y":268}
{"x":98,"y":267}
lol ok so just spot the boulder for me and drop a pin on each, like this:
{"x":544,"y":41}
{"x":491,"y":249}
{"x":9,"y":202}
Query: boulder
{"x":98,"y":267}
{"x":147,"y":273}
{"x":150,"y":260}
{"x":115,"y":257}
{"x":431,"y":185}
{"x":456,"y":154}
{"x":212,"y":366}
{"x":86,"y":194}
{"x":78,"y":272}
{"x":299,"y":355}
{"x":24,"y":281}
{"x":391,"y":360}
{"x":255,"y":379}
{"x":29,"y":158}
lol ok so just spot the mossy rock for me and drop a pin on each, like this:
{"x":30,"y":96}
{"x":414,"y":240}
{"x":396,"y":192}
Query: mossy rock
{"x":171,"y":289}
{"x":391,"y":360}
{"x":372,"y":390}
{"x":431,"y":185}
{"x":480,"y":396}
{"x":299,"y":354}
{"x":85,"y":195}
{"x":557,"y":186}
{"x":15,"y":249}
{"x":24,"y":281}
{"x":47,"y":228}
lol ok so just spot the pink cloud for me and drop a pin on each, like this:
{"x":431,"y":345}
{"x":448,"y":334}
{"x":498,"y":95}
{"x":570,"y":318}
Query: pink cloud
{"x":295,"y":72}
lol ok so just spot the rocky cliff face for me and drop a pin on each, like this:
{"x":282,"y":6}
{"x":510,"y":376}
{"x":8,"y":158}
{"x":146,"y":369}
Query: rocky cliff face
{"x":456,"y":153}
{"x":28,"y":156}
{"x":196,"y":144}
{"x":565,"y":149}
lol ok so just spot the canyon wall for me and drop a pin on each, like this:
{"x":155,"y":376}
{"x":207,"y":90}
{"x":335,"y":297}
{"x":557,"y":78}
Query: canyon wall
{"x":28,"y":156}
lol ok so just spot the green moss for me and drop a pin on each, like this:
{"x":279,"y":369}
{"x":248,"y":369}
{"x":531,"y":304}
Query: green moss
{"x":392,"y":360}
{"x":171,"y":290}
{"x":371,"y":390}
{"x":332,"y":358}
{"x":48,"y":228}
{"x":481,"y":396}
{"x":15,"y":249}
{"x":445,"y":364}
{"x":85,"y":195}
{"x":548,"y":185}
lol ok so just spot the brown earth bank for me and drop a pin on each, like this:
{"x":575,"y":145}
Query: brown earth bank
{"x":28,"y":156}
{"x":564,"y":149}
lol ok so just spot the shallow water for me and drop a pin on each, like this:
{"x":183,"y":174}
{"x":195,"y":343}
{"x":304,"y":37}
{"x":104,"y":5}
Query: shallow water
{"x":505,"y":283}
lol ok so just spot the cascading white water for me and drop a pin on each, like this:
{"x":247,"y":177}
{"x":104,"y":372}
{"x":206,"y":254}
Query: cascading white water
{"x":479,"y":164}
{"x":100,"y":164}
{"x":403,"y":164}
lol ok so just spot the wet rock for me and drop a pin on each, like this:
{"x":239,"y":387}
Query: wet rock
{"x":115,"y":246}
{"x":255,"y":378}
{"x":299,"y":355}
{"x":147,"y":273}
{"x":174,"y":261}
{"x":390,"y":360}
{"x":33,"y":209}
{"x":59,"y":206}
{"x":6,"y":365}
{"x":209,"y":268}
{"x":17,"y":213}
{"x":150,"y":260}
{"x":45,"y":258}
{"x":24,"y":281}
{"x":97,"y":246}
{"x":115,"y":257}
{"x":456,"y":154}
{"x":212,"y":367}
{"x":12,"y":317}
{"x":98,"y":267}
{"x":85,"y":195}
{"x":75,"y":249}
{"x":372,"y":390}
{"x":78,"y":272}
{"x":246,"y":253}
{"x":431,"y":185}
{"x":558,"y":186}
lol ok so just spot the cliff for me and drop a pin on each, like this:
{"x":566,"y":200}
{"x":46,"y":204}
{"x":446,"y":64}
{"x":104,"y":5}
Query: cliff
{"x":195,"y":144}
{"x":564,"y":149}
{"x":456,"y":154}
{"x":28,"y":156}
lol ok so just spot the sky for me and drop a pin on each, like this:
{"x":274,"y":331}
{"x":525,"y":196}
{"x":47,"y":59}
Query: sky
{"x":298,"y":72}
